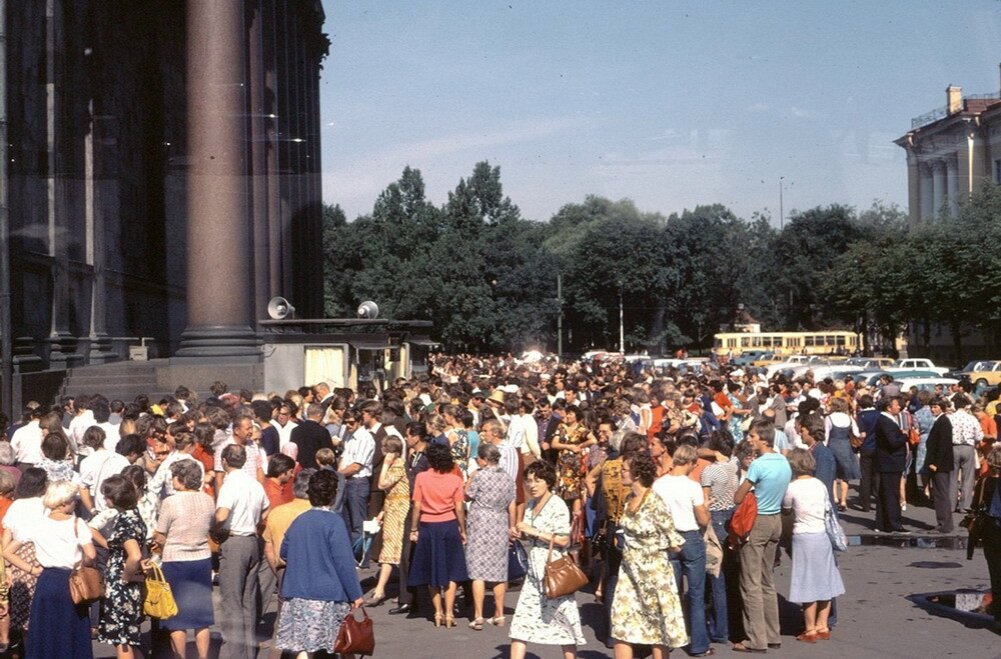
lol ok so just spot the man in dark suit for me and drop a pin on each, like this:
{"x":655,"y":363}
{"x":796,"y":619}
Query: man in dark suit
{"x":941,"y":464}
{"x":891,"y":457}
{"x":309,"y":436}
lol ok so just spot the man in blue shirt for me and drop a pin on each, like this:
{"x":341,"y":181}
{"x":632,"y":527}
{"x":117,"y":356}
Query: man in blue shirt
{"x":769,"y":475}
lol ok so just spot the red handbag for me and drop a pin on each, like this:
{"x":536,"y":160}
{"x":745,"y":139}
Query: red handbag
{"x":742,"y":521}
{"x":356,"y":636}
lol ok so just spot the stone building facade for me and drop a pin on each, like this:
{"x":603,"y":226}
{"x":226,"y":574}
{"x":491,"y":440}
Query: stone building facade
{"x":950,"y":151}
{"x":164,"y":176}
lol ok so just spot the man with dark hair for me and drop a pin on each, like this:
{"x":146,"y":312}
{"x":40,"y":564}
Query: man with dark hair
{"x":240,"y":508}
{"x":263,"y":413}
{"x":940,"y":462}
{"x":891,"y":457}
{"x":769,"y":475}
{"x":83,"y":419}
{"x":357,"y":468}
{"x":183,"y":395}
{"x":867,"y":419}
{"x":102,"y":419}
{"x":218,"y":388}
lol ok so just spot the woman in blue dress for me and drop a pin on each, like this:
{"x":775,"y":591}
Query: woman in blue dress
{"x":840,"y":427}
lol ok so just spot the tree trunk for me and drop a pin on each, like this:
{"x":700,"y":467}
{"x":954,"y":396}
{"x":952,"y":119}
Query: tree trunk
{"x":957,"y":340}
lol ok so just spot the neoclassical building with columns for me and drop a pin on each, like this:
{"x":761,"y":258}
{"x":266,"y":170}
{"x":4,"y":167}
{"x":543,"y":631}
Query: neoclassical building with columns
{"x":950,"y":151}
{"x":164,"y":174}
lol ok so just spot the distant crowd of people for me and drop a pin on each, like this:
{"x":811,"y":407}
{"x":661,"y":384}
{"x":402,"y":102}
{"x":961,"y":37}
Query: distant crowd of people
{"x":669,"y":489}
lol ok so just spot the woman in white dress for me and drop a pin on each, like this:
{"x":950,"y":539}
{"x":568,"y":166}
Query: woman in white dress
{"x":537,"y":618}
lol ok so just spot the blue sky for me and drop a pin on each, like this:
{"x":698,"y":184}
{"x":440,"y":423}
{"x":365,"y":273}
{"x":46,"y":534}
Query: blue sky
{"x":671,"y":104}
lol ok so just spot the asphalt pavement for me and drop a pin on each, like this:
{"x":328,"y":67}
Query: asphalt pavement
{"x":890,"y":608}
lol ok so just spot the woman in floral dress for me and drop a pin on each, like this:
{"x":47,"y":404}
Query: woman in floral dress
{"x":122,"y":605}
{"x":571,"y":440}
{"x":537,"y":618}
{"x":490,"y":492}
{"x":646,"y":609}
{"x":393,"y":481}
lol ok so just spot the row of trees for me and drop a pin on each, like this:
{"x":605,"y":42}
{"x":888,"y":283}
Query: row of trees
{"x":487,"y":277}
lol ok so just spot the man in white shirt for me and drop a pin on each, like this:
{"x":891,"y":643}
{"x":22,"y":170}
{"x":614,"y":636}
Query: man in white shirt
{"x":686,"y":501}
{"x":27,"y":441}
{"x":243,"y":430}
{"x":966,"y":434}
{"x":101,"y":412}
{"x":96,"y":468}
{"x":356,"y":467}
{"x":284,"y":424}
{"x":240,"y":507}
{"x":83,"y":419}
{"x":530,"y":449}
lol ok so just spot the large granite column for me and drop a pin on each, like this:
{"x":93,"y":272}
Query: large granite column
{"x":220,"y":287}
{"x":952,"y":185}
{"x":913,"y":187}
{"x":927,"y":198}
{"x":938,"y":187}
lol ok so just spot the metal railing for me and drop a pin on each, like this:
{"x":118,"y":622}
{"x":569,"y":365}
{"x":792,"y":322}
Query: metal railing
{"x":942,"y":112}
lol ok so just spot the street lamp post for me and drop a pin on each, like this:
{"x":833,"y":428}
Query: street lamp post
{"x":782,"y":216}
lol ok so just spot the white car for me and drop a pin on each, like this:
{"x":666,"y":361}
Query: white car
{"x":916,"y":365}
{"x":835,"y":371}
{"x":925,"y":384}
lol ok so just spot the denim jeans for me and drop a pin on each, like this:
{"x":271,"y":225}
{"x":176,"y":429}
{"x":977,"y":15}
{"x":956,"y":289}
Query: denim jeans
{"x":356,"y":506}
{"x":719,"y":620}
{"x":691,"y":562}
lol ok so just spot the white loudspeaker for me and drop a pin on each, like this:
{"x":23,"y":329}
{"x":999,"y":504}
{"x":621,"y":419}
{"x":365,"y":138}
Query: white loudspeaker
{"x":368,"y":309}
{"x":279,"y":308}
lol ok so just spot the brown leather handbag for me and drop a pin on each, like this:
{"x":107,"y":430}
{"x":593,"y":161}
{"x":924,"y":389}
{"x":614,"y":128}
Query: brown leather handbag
{"x":86,"y":585}
{"x":356,"y":636}
{"x":562,"y":576}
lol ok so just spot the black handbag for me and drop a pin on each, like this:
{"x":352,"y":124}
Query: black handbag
{"x":517,"y":561}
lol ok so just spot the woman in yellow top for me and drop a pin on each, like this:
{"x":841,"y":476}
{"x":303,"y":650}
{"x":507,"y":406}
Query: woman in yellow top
{"x":393,"y":481}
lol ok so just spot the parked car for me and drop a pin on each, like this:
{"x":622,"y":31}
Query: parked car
{"x":980,"y":373}
{"x":833,"y":371}
{"x":748,"y":357}
{"x":870,"y":363}
{"x":871,"y":378}
{"x":913,"y":364}
{"x":925,"y":384}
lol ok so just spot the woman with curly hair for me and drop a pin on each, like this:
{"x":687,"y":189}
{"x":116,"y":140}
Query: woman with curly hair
{"x":646,"y":608}
{"x":571,"y":440}
{"x":438,"y":527}
{"x":537,"y":618}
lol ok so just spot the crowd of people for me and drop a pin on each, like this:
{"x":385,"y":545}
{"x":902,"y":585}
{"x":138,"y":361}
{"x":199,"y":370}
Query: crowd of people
{"x":668,"y":487}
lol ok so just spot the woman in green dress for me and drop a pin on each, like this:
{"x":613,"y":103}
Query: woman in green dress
{"x":646,"y":609}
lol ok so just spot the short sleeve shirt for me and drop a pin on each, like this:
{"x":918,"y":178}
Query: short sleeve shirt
{"x":770,"y":474}
{"x":681,"y":494}
{"x":721,"y":479}
{"x":246,"y":501}
{"x":437,"y":493}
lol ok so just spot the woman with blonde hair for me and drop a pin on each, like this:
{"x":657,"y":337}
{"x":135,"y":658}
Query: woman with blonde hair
{"x":839,"y":428}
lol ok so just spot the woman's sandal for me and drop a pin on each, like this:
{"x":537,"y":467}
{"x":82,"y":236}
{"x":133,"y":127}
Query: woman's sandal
{"x":497,"y":621}
{"x":438,"y":619}
{"x":807,"y":637}
{"x":824,"y":635}
{"x":477,"y":624}
{"x":449,"y":621}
